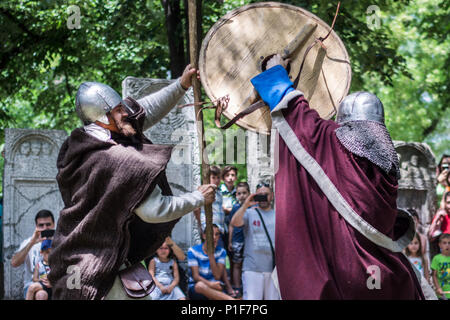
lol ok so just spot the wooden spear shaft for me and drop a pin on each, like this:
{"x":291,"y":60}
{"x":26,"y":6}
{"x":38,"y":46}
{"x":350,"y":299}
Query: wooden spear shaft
{"x":193,"y":53}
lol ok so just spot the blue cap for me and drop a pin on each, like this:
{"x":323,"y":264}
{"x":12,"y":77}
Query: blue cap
{"x":46,"y":244}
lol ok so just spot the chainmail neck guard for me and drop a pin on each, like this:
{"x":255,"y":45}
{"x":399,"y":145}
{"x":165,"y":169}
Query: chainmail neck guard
{"x":370,"y":140}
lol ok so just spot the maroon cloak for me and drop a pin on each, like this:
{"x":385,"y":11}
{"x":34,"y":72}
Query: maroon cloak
{"x":318,"y":254}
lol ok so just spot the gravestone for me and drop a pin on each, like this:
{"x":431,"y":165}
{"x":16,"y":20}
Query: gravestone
{"x":177,"y":128}
{"x":417,"y":185}
{"x":29,"y":186}
{"x":262,"y":158}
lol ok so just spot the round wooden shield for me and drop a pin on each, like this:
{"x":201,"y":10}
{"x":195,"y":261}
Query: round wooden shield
{"x":235,"y":47}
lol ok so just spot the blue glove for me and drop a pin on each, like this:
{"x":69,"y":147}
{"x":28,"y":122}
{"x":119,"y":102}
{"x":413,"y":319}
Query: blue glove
{"x":272,"y":85}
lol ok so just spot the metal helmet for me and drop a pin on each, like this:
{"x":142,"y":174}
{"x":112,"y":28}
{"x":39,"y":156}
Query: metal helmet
{"x":362,"y":131}
{"x":95,"y":99}
{"x":361,"y":105}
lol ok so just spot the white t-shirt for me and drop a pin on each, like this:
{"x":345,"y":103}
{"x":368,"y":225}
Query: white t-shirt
{"x":417,"y":262}
{"x":257,"y":251}
{"x":30,"y":261}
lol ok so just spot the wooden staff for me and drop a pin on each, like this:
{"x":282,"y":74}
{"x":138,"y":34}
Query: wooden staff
{"x":193,"y":53}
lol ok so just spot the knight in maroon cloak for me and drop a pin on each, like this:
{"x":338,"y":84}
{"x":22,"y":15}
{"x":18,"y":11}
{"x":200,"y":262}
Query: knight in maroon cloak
{"x":319,"y":255}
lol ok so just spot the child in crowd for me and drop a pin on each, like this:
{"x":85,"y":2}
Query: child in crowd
{"x":227,"y":188}
{"x":416,"y":255}
{"x":228,"y":191}
{"x":441,"y":268}
{"x":218,"y":220}
{"x":206,"y":273}
{"x":41,"y":288}
{"x":236,"y":238}
{"x":164,"y":270}
{"x":218,"y":214}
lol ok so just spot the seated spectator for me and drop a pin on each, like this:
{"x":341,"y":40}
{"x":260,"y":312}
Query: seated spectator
{"x":41,"y":288}
{"x":207,"y":271}
{"x":440,"y":266}
{"x":28,"y":252}
{"x":164,"y":270}
{"x":259,"y":238}
{"x":219,"y":220}
{"x":236,"y":238}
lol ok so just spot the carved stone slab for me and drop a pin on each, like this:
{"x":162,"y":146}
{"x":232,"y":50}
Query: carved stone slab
{"x":29,"y":186}
{"x":262,"y":158}
{"x":417,"y":185}
{"x":178,"y":128}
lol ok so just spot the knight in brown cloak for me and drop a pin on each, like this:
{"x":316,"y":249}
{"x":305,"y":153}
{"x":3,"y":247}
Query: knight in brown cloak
{"x":118,"y":206}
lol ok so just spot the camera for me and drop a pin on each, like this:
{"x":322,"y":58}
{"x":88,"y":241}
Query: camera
{"x":260,"y":198}
{"x":47,"y":233}
{"x":445,"y":166}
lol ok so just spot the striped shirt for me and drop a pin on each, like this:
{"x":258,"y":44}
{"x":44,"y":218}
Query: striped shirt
{"x":197,"y":258}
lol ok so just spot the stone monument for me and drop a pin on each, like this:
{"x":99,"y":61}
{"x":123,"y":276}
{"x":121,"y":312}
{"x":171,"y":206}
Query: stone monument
{"x":417,"y":185}
{"x":29,"y":186}
{"x":262,"y":158}
{"x":177,"y":128}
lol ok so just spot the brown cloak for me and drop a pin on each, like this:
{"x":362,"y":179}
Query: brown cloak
{"x":101,"y":184}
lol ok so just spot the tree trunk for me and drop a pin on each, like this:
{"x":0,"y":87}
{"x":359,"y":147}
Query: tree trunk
{"x":199,"y":26}
{"x":174,"y":28}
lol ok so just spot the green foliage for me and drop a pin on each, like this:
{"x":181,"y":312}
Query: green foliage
{"x":43,"y":61}
{"x":416,"y":105}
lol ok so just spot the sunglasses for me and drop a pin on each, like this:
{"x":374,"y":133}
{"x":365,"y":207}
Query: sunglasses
{"x":262,"y":184}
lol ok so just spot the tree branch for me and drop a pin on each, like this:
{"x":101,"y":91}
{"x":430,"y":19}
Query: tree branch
{"x":69,"y":91}
{"x":19,"y":24}
{"x":434,"y":122}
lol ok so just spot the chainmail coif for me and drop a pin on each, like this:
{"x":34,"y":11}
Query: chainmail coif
{"x":371,"y":140}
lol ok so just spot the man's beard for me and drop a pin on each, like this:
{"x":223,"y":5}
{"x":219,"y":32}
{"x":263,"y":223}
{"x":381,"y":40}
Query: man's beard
{"x":125,"y":128}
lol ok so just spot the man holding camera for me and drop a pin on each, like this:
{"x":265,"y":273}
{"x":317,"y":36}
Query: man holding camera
{"x":29,"y":250}
{"x":257,"y":217}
